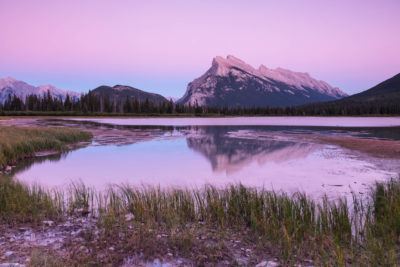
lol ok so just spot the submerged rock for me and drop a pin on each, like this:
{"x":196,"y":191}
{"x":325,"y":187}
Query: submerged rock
{"x":129,"y":217}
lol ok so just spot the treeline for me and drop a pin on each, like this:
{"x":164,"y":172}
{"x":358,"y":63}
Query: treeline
{"x":91,"y":103}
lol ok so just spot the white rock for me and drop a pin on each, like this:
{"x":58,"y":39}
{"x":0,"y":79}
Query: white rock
{"x":129,"y":217}
{"x":262,"y":264}
{"x":8,"y":253}
{"x":84,"y":249}
{"x":267,"y":264}
{"x":48,"y":223}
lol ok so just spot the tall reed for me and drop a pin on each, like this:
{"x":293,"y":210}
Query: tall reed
{"x":364,"y":232}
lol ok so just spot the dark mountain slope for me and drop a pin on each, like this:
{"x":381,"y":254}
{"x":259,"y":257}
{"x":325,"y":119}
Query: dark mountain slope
{"x":385,"y":92}
{"x":122,"y":91}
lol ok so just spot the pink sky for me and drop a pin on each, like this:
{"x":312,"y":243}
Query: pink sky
{"x":161,"y":46}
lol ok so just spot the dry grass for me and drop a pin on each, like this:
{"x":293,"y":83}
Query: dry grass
{"x":291,"y":227}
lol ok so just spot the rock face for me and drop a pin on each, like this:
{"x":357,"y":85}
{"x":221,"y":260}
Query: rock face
{"x":122,"y":91}
{"x":21,"y":89}
{"x":232,"y":82}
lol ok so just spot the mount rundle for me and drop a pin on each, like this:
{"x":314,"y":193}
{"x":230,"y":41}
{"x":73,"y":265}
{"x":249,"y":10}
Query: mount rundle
{"x":232,"y":82}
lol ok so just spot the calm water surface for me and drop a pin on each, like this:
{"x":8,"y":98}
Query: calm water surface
{"x":190,"y":153}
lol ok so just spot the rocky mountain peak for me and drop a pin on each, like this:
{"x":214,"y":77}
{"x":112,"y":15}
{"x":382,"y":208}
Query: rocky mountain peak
{"x":231,"y":81}
{"x":221,"y":66}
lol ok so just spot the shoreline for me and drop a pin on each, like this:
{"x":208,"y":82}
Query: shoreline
{"x":236,"y":225}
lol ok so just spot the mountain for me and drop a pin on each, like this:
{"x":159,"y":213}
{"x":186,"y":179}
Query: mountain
{"x":386,"y":92}
{"x":232,"y":82}
{"x":21,"y":89}
{"x":122,"y":91}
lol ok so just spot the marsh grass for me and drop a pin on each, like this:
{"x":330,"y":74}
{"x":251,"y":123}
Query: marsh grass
{"x":20,"y":142}
{"x":294,"y":227}
{"x":22,"y":203}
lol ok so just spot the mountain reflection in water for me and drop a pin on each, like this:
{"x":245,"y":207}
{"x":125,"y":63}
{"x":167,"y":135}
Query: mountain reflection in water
{"x":229,"y":153}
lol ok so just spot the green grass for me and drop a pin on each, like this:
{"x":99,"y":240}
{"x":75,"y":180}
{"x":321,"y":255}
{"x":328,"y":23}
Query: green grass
{"x":365,"y":232}
{"x":17,"y":143}
{"x":21,"y":203}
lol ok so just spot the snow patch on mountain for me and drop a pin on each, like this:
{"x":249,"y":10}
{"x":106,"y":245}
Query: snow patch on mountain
{"x":299,"y":80}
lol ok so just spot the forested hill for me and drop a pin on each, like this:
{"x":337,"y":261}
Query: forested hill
{"x":123,"y":91}
{"x":385,"y":92}
{"x":383,"y":98}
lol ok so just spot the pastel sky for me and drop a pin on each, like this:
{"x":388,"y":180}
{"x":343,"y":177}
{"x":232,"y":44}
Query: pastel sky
{"x":161,"y":46}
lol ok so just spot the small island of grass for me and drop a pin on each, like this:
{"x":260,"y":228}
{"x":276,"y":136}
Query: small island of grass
{"x":17,"y":143}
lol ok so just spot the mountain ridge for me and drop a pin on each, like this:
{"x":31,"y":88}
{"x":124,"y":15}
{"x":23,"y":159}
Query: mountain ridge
{"x":233,"y":82}
{"x":11,"y":86}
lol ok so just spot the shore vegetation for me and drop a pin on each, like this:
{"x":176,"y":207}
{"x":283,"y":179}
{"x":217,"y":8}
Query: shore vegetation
{"x":200,"y":224}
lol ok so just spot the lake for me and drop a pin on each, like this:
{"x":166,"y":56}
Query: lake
{"x":282,"y":153}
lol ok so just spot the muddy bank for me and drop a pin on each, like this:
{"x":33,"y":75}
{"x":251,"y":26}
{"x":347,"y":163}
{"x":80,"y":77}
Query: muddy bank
{"x":373,"y":147}
{"x":80,"y":241}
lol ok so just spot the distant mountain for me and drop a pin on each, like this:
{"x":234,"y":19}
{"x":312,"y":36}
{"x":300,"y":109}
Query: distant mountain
{"x":172,"y":98}
{"x":232,"y":82}
{"x":386,"y":92}
{"x":21,"y":89}
{"x":122,"y":91}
